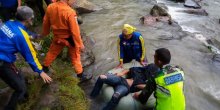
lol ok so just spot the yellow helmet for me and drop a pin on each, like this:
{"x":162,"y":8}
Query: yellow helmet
{"x":130,"y":29}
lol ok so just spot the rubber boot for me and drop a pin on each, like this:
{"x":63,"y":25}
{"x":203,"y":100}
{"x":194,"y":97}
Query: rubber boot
{"x":83,"y":78}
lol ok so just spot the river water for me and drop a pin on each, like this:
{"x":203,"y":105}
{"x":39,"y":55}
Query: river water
{"x":202,"y":75}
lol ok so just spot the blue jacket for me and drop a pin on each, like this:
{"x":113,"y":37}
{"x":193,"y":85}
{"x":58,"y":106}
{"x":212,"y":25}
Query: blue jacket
{"x":13,"y":39}
{"x":8,"y":3}
{"x":131,"y":48}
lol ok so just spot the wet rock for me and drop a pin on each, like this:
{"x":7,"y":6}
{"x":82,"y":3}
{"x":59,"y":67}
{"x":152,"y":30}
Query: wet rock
{"x":84,"y":6}
{"x":159,"y":12}
{"x":79,"y":20}
{"x":5,"y":93}
{"x":151,"y":20}
{"x":198,"y":0}
{"x":179,"y":0}
{"x":48,"y":97}
{"x":151,"y":1}
{"x":192,"y":4}
{"x":87,"y":56}
{"x":216,"y":59}
{"x":173,"y":35}
{"x":196,"y":12}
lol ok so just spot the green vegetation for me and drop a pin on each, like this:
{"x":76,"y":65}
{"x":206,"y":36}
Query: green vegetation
{"x":45,"y":43}
{"x":68,"y":96}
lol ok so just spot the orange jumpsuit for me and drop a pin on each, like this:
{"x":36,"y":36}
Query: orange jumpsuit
{"x":62,"y":19}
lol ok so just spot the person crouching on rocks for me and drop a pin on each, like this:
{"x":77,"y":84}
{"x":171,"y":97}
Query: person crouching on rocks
{"x":130,"y":46}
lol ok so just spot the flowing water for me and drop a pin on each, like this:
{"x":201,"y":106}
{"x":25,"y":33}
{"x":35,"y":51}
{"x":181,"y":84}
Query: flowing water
{"x":202,"y":75}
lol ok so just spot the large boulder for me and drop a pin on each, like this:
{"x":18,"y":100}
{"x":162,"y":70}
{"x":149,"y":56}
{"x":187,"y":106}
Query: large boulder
{"x":159,"y":12}
{"x":192,"y":4}
{"x":84,"y":6}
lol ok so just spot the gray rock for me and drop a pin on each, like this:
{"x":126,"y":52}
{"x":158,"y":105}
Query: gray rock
{"x":159,"y":12}
{"x":192,"y":4}
{"x":87,"y":57}
{"x":84,"y":6}
{"x":79,"y":20}
{"x":179,"y":0}
{"x":216,"y":60}
{"x":196,"y":12}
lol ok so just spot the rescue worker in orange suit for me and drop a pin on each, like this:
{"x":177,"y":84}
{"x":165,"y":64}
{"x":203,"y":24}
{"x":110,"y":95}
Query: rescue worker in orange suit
{"x":62,"y":19}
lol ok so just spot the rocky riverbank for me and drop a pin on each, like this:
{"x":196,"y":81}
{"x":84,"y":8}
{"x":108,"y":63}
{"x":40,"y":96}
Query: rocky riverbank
{"x":187,"y":51}
{"x":103,"y":27}
{"x":63,"y":93}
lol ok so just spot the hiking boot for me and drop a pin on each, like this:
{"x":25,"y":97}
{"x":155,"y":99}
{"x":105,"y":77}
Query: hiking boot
{"x":83,"y":78}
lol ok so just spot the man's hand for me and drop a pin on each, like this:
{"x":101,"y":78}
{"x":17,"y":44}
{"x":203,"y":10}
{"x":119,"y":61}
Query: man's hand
{"x":36,"y":36}
{"x":136,"y":95}
{"x":45,"y":77}
{"x":143,"y":63}
{"x":103,"y":76}
{"x":19,"y":3}
{"x":120,"y":65}
{"x":141,"y":86}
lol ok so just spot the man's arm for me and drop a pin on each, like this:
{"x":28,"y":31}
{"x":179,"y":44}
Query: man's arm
{"x":19,"y":3}
{"x":143,"y":48}
{"x":75,"y":31}
{"x":120,"y":53}
{"x":26,"y":49}
{"x":147,"y":91}
{"x":124,"y":72}
{"x":141,"y":86}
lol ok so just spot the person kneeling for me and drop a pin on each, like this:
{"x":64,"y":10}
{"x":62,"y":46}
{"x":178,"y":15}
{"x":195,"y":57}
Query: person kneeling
{"x":167,"y":84}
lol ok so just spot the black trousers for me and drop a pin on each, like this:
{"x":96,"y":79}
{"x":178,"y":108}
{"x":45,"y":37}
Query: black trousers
{"x":11,"y":76}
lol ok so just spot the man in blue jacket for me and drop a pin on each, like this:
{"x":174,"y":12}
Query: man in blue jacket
{"x":14,"y":39}
{"x":8,"y":9}
{"x":130,"y":46}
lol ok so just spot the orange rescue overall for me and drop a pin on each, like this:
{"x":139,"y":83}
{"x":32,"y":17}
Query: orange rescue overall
{"x":62,"y":19}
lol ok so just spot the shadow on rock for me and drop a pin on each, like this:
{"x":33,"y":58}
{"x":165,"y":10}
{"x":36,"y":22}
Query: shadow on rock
{"x":195,"y":11}
{"x":216,"y":60}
